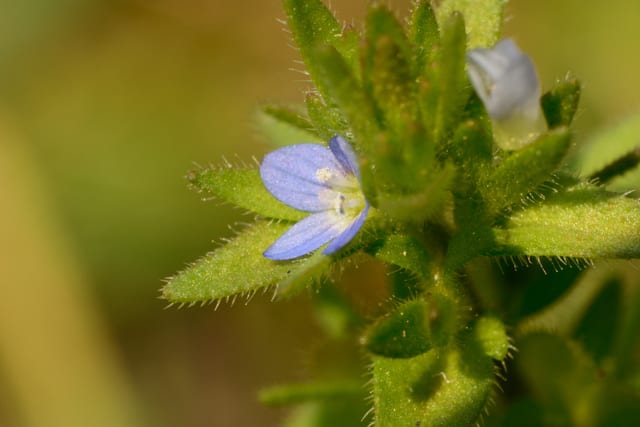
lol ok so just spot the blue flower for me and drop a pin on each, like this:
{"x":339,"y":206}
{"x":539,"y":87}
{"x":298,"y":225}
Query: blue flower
{"x":324,"y":181}
{"x":505,"y":79}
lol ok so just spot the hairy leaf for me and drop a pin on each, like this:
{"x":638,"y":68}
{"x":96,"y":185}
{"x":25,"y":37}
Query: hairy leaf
{"x":423,"y":33}
{"x":402,"y":250}
{"x":387,"y":69}
{"x":346,"y":92}
{"x":413,"y":328}
{"x":447,"y":388}
{"x":284,"y":126}
{"x":238,"y":268}
{"x":309,"y":392}
{"x":491,"y":334}
{"x":583,"y":222}
{"x":430,"y":193}
{"x":444,"y":89}
{"x":524,"y":170}
{"x":560,"y":104}
{"x":472,"y":149}
{"x":564,"y":314}
{"x":483,"y":19}
{"x":312,"y":26}
{"x":327,"y":121}
{"x":606,"y":148}
{"x":402,"y":333}
{"x":560,"y":373}
{"x":243,"y":188}
{"x":324,"y":414}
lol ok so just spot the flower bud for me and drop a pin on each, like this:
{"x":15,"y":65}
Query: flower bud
{"x":505,"y":79}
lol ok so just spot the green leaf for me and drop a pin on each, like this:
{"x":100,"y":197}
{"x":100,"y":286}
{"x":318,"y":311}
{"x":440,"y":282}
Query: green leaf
{"x":425,"y":202}
{"x":243,"y":188}
{"x":324,"y":414}
{"x":571,"y":387}
{"x":471,"y":148}
{"x":447,"y":388}
{"x":523,"y":412}
{"x":483,"y":19}
{"x":381,"y":22}
{"x":560,"y":374}
{"x":423,"y":33}
{"x":309,"y":392}
{"x":404,"y":153}
{"x":491,"y":334}
{"x":602,"y":317}
{"x":624,"y":172}
{"x":606,"y":148}
{"x":313,"y":25}
{"x":565,"y":313}
{"x":402,"y":333}
{"x":444,"y":89}
{"x":344,"y":91}
{"x":583,"y":222}
{"x":334,"y":313}
{"x":387,"y":73}
{"x":284,"y":126}
{"x":298,"y":279}
{"x":524,"y":170}
{"x":327,"y":121}
{"x":561,"y":103}
{"x":413,"y":328}
{"x":628,"y":330}
{"x":469,"y":242}
{"x":402,"y":250}
{"x":405,"y":285}
{"x":238,"y":268}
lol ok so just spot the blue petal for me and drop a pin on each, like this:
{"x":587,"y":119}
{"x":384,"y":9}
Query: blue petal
{"x":290,"y":174}
{"x":306,"y":236}
{"x":345,"y":155}
{"x":347,"y":234}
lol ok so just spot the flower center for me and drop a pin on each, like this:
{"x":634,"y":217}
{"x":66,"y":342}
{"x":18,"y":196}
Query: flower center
{"x":343,"y":194}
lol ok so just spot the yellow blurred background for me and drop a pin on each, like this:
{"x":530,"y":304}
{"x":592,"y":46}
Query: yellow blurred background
{"x":104,"y":107}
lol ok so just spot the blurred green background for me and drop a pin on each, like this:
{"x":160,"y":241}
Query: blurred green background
{"x":104,"y":107}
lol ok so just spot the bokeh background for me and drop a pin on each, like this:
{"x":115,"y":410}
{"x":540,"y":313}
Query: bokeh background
{"x":104,"y":107}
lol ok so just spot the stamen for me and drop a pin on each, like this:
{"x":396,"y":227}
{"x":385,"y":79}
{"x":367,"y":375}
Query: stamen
{"x":340,"y":203}
{"x":324,"y":174}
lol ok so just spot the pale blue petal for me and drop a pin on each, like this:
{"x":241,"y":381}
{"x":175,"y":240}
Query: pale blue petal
{"x":504,"y":78}
{"x":347,"y":234}
{"x":343,"y":151}
{"x":290,"y":174}
{"x":306,"y":236}
{"x":507,"y":48}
